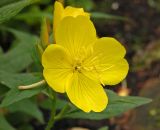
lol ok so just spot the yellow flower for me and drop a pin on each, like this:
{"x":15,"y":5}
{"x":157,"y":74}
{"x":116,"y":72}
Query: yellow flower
{"x":79,"y":63}
{"x":60,"y":13}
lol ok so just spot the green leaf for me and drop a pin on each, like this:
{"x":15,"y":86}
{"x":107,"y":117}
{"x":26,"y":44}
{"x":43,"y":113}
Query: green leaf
{"x":27,"y":107}
{"x":18,"y":58}
{"x":26,"y":127}
{"x":4,"y":2}
{"x":99,"y":15}
{"x":15,"y":95}
{"x":9,"y":11}
{"x":15,"y":80}
{"x":3,"y":90}
{"x":4,"y":125}
{"x":21,"y":118}
{"x":1,"y":51}
{"x":34,"y":15}
{"x":117,"y":105}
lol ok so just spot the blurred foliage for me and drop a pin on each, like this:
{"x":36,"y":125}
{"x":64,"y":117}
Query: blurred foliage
{"x":103,"y":128}
{"x":143,"y":59}
{"x":29,"y":107}
{"x":4,"y":124}
{"x":9,"y":11}
{"x":4,"y":2}
{"x":35,"y":14}
{"x":98,"y":15}
{"x":88,"y":5}
{"x":154,"y":4}
{"x":148,"y":117}
{"x":21,"y":52}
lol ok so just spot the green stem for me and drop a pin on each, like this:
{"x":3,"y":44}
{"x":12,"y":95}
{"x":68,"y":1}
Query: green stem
{"x":53,"y":112}
{"x":62,"y":112}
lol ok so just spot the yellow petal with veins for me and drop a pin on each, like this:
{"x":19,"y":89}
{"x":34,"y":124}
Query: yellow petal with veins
{"x":112,"y":66}
{"x":115,"y":73}
{"x":86,"y":94}
{"x":76,"y":34}
{"x":57,"y":69}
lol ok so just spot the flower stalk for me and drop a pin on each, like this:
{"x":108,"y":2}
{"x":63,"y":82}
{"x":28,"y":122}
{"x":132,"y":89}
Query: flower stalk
{"x":62,"y":112}
{"x":53,"y":113}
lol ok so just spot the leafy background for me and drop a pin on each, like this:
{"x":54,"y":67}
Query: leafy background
{"x":134,"y":23}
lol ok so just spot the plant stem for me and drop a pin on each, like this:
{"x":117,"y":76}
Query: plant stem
{"x":62,"y":112}
{"x":53,"y":112}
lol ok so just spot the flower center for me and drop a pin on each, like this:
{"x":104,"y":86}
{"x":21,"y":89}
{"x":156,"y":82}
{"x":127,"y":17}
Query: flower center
{"x":84,"y":61}
{"x":77,"y":67}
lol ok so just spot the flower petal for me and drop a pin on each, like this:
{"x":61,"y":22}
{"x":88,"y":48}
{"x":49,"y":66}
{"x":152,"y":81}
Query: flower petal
{"x":60,"y":13}
{"x":55,"y":57}
{"x":72,"y":11}
{"x":112,"y":66}
{"x":57,"y":79}
{"x":57,"y":68}
{"x":115,"y":73}
{"x":109,"y":49}
{"x":75,"y":34}
{"x":86,"y":94}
